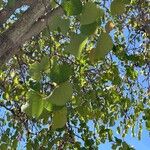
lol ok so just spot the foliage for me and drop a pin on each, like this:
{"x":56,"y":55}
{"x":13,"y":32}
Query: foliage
{"x":88,"y":68}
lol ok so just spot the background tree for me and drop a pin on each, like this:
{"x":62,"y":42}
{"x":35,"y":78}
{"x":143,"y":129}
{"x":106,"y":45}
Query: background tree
{"x":71,"y":64}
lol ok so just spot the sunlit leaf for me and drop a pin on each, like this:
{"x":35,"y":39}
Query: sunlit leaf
{"x":35,"y":103}
{"x":48,"y":105}
{"x":72,"y":7}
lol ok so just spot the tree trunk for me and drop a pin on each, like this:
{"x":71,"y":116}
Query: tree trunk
{"x":29,"y":25}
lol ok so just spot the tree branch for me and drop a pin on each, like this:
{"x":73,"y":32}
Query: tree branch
{"x":38,"y":26}
{"x":9,"y":39}
{"x":7,"y":12}
{"x":35,"y":29}
{"x":11,"y":110}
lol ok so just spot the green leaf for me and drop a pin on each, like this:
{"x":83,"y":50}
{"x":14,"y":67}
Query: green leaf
{"x":118,"y":141}
{"x":35,"y":103}
{"x":148,"y":125}
{"x":72,"y":7}
{"x":45,"y":115}
{"x":76,"y":45}
{"x":4,"y":137}
{"x":44,"y":64}
{"x":1,"y":2}
{"x":53,"y":142}
{"x":37,"y":68}
{"x":118,"y":130}
{"x":61,"y":94}
{"x":15,"y":144}
{"x":60,"y":23}
{"x":47,"y":105}
{"x":147,"y":113}
{"x":29,"y":145}
{"x":11,"y":3}
{"x":104,"y":45}
{"x":90,"y":13}
{"x":36,"y":86}
{"x":117,"y":7}
{"x":3,"y":146}
{"x":53,"y":3}
{"x":112,"y":121}
{"x":127,"y":2}
{"x":125,"y":146}
{"x":61,"y":72}
{"x":110,"y":135}
{"x":35,"y":71}
{"x":89,"y":29}
{"x":114,"y":147}
{"x":130,"y":72}
{"x":59,"y":119}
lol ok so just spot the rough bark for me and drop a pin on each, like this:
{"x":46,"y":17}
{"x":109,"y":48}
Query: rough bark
{"x":10,"y":46}
{"x":10,"y":39}
{"x":7,"y":12}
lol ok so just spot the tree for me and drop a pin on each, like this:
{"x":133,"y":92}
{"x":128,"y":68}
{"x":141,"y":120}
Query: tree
{"x":71,"y":64}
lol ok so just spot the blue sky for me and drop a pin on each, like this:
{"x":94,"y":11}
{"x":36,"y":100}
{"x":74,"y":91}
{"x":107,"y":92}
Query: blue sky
{"x":143,"y":144}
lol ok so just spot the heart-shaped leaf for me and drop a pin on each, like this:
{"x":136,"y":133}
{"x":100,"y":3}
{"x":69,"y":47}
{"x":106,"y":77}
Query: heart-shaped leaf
{"x":90,"y":13}
{"x":59,"y":119}
{"x":61,"y":94}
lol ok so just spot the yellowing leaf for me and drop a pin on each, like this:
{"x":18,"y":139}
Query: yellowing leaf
{"x":91,"y":12}
{"x":117,"y":7}
{"x":61,"y":94}
{"x":59,"y":119}
{"x":76,"y":45}
{"x":109,"y":26}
